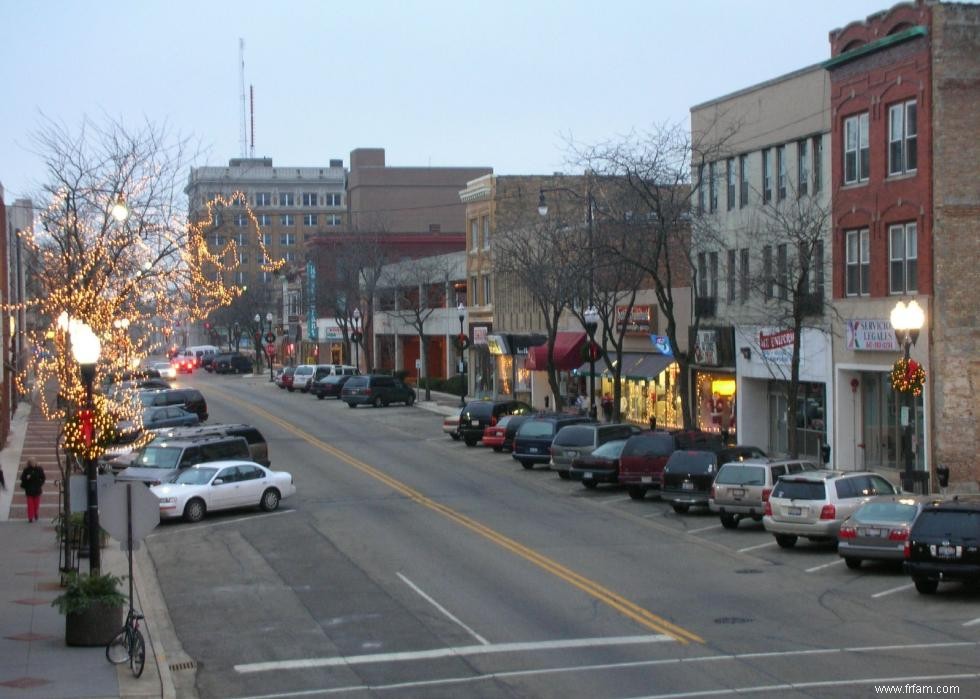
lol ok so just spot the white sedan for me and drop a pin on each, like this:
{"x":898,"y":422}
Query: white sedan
{"x":220,"y":485}
{"x":166,"y":369}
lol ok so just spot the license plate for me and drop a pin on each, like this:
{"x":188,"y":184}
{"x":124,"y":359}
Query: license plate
{"x":533,"y":450}
{"x":794,"y":511}
{"x":687,"y":486}
{"x":475,"y":423}
{"x":872,"y":531}
{"x":947,"y":551}
{"x":646,"y":479}
{"x":736,"y":492}
{"x":587,"y":476}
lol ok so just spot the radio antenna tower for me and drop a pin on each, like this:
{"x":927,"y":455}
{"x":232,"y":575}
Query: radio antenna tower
{"x":242,"y":135}
{"x":251,"y":95}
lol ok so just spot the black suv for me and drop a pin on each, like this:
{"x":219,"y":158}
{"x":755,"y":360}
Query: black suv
{"x":481,"y":414}
{"x":231,"y":363}
{"x":688,"y":477}
{"x":944,"y":544}
{"x":377,"y":390}
{"x":190,"y":398}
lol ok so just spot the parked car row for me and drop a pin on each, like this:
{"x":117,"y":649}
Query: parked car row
{"x":346,"y":383}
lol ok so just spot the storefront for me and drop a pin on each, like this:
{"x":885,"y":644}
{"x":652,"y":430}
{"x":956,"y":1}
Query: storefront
{"x":570,"y":348}
{"x":511,"y":375}
{"x":648,"y":385}
{"x":714,"y":386}
{"x":481,"y":362}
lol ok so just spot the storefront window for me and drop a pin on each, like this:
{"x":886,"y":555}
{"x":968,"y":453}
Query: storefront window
{"x":643,"y":399}
{"x":716,"y":402}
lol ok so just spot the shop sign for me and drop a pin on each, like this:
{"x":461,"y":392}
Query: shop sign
{"x":497,"y":344}
{"x":661,"y":343}
{"x":480,"y":334}
{"x":871,"y":335}
{"x":637,"y":322}
{"x":706,"y":348}
{"x":777,"y":346}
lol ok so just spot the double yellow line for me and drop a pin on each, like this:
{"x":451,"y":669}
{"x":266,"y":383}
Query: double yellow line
{"x":601,"y":593}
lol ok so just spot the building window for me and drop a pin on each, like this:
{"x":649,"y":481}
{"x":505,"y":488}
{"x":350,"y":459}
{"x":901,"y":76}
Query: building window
{"x":802,"y":168}
{"x":817,"y":267}
{"x":730,"y":174}
{"x":487,"y":296}
{"x":474,"y":234}
{"x":309,"y":199}
{"x":702,"y":275}
{"x":782,"y":271}
{"x":743,"y":181}
{"x":287,"y":239}
{"x":475,"y":290}
{"x":243,"y":258}
{"x":217,"y":240}
{"x":902,"y":137}
{"x":732,"y":276}
{"x":766,"y":176}
{"x":486,"y":232}
{"x":267,"y":277}
{"x":217,"y":218}
{"x":767,"y":270}
{"x":241,"y":239}
{"x":309,"y":220}
{"x":743,"y":275}
{"x":286,"y":220}
{"x":858,"y":277}
{"x":903,"y":256}
{"x":713,"y":274}
{"x":241,"y":220}
{"x":333,"y":220}
{"x":817,"y":163}
{"x":857,"y":156}
{"x":712,"y":187}
{"x":781,"y":166}
{"x":267,"y":241}
{"x":240,"y":278}
{"x":263,"y":198}
{"x":264,"y":219}
{"x":701,"y":184}
{"x":333,"y":199}
{"x":288,"y":256}
{"x":287,"y":199}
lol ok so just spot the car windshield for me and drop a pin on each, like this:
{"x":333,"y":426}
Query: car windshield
{"x":691,"y":462}
{"x":610,"y":450}
{"x":533,"y":428}
{"x":731,"y":474}
{"x":892,"y":512}
{"x":158,"y":457}
{"x":800,"y":490}
{"x":661,"y":444}
{"x":965,"y":525}
{"x":194,"y":476}
{"x":575,"y":436}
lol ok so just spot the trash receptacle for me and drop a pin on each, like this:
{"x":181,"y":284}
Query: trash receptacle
{"x":916,"y":482}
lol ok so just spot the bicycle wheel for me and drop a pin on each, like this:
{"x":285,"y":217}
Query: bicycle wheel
{"x":117,"y":650}
{"x":138,"y":655}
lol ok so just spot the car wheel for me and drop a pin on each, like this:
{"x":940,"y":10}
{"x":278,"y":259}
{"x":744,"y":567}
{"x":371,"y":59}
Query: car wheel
{"x":563,"y":475}
{"x":786,"y":541}
{"x":470,"y":442}
{"x":194,"y":510}
{"x":455,"y":437}
{"x":924,"y":586}
{"x":410,"y":401}
{"x":351,"y":405}
{"x":590,"y":484}
{"x":498,"y":449}
{"x":270,"y":500}
{"x":636,"y":492}
{"x":377,"y":402}
{"x":852,"y":563}
{"x":680,"y":508}
{"x":319,"y":396}
{"x":729,"y":521}
{"x":290,"y":389}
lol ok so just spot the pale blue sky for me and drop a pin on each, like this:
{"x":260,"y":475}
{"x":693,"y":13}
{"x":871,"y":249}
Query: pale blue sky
{"x":495,"y":83}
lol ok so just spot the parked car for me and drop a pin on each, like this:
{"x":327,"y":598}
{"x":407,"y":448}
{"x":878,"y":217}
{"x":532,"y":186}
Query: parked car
{"x":168,"y":416}
{"x":879,"y":529}
{"x":514,"y":423}
{"x":450,"y":425}
{"x":330,"y":385}
{"x":944,"y":544}
{"x":599,"y":466}
{"x":532,"y":442}
{"x":574,"y":441}
{"x":688,"y":476}
{"x":641,"y":465}
{"x":480,"y":414}
{"x":162,"y":459}
{"x":494,"y":435}
{"x":221,"y":485}
{"x":285,"y":379}
{"x":231,"y":363}
{"x":377,"y":390}
{"x":190,"y":398}
{"x":741,"y":488}
{"x":813,"y":504}
{"x":258,"y":448}
{"x":301,"y":378}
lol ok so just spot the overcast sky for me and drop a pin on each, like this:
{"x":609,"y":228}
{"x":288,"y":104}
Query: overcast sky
{"x":499,"y":83}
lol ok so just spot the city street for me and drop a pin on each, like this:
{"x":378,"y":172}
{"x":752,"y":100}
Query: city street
{"x":410,"y":565}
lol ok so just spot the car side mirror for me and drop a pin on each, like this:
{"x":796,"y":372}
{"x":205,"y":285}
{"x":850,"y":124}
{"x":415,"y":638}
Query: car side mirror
{"x":218,"y":481}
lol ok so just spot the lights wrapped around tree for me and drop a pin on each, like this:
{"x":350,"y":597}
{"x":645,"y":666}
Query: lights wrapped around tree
{"x":908,"y":376}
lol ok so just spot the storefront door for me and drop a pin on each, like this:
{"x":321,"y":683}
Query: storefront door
{"x":880,"y":410}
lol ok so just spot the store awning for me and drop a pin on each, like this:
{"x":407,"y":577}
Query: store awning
{"x":636,"y":365}
{"x":568,"y":353}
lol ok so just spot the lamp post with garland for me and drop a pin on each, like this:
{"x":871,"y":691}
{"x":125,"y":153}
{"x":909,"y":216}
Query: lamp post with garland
{"x":463,"y":342}
{"x":907,"y":377}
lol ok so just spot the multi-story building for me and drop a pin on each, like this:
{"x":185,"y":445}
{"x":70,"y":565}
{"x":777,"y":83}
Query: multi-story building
{"x":762,"y":225}
{"x":904,"y":88}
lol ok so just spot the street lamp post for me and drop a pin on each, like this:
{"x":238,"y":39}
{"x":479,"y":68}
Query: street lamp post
{"x":268,"y":319}
{"x":907,"y":321}
{"x":257,"y":341}
{"x":461,"y":309}
{"x":355,"y":337}
{"x":86,"y":348}
{"x":591,"y":317}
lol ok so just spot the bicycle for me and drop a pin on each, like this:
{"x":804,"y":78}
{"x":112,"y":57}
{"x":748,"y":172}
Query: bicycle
{"x":128,"y":645}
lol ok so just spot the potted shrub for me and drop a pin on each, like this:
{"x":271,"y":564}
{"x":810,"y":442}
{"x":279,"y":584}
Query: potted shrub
{"x":93,"y":609}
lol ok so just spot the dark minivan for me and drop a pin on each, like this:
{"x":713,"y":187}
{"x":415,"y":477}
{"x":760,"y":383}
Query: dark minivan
{"x":532,"y":443}
{"x":688,"y":477}
{"x":480,"y":414}
{"x":377,"y":390}
{"x":944,"y":544}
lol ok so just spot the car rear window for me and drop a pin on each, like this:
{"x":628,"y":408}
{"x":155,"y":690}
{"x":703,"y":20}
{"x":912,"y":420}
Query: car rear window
{"x":649,"y":445}
{"x":691,"y":462}
{"x":731,"y":474}
{"x":611,"y":449}
{"x":800,"y":490}
{"x":942,"y":523}
{"x":158,"y":457}
{"x":536,"y":429}
{"x":356,"y":382}
{"x":480,"y":409}
{"x":575,"y":436}
{"x":886,"y":512}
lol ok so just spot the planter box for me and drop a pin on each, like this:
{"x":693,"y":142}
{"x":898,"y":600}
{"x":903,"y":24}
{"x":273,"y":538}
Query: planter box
{"x":95,"y":626}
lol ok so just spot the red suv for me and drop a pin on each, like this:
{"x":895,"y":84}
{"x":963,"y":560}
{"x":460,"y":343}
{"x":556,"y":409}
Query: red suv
{"x":641,"y":465}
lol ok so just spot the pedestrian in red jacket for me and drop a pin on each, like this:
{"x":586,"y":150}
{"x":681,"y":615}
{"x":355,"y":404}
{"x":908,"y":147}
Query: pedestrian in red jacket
{"x":32,"y":481}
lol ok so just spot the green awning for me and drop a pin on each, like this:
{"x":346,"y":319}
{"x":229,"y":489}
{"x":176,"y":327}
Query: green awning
{"x":636,"y":365}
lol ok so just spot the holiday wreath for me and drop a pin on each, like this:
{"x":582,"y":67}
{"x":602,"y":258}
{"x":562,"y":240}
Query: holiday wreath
{"x":908,"y":376}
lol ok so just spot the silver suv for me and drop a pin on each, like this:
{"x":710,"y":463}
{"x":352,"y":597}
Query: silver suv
{"x":815,"y":503}
{"x":741,"y":488}
{"x":573,"y":441}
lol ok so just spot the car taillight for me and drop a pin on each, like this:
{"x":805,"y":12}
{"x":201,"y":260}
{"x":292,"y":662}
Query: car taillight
{"x":765,"y":494}
{"x":712,"y":495}
{"x":828,"y":512}
{"x":907,"y":550}
{"x":768,"y":510}
{"x":493,"y":420}
{"x":848,"y":533}
{"x":898,"y":535}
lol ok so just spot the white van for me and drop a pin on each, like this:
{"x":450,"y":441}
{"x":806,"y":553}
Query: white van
{"x":197,"y":353}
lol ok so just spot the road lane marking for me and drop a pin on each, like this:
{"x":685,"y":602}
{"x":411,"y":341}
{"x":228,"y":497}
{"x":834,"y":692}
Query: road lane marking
{"x":825,"y":565}
{"x":757,"y":546}
{"x":627,"y":608}
{"x":433,"y":653}
{"x":442,"y":609}
{"x":893,"y":590}
{"x":970,"y":623}
{"x":704,"y":529}
{"x":613,"y":501}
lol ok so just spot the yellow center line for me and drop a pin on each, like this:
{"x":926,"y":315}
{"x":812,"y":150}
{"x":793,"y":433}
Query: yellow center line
{"x":633,"y":611}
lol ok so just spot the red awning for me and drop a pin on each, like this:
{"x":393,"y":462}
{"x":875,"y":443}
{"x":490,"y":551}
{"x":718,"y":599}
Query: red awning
{"x":568,"y":353}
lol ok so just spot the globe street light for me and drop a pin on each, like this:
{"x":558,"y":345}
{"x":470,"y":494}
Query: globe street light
{"x":119,"y":209}
{"x":355,"y":337}
{"x":907,"y":321}
{"x":86,"y":348}
{"x":591,"y":318}
{"x":463,"y":344}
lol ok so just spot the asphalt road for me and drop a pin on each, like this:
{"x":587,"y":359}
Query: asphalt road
{"x":410,"y":565}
